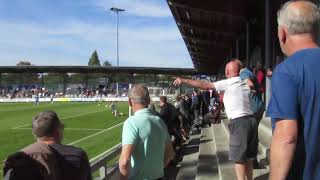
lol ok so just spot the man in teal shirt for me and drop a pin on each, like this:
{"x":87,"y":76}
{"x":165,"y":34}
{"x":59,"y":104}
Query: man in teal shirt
{"x":145,"y":140}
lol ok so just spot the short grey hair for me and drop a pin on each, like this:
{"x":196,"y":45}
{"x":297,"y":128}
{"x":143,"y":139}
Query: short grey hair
{"x":139,"y":94}
{"x":45,"y":124}
{"x":299,"y":20}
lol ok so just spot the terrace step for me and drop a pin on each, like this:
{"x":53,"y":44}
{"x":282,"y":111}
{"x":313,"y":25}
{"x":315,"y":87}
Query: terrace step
{"x":206,"y":155}
{"x":208,"y":162}
{"x":226,"y":167}
{"x":188,"y":167}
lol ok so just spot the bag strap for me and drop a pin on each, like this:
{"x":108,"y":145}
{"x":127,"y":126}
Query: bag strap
{"x":8,"y":174}
{"x":60,"y":159}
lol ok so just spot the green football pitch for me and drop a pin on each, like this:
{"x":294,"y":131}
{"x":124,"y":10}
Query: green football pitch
{"x":87,"y":125}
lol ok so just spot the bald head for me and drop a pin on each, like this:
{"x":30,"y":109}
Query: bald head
{"x":299,"y":17}
{"x":232,"y":69}
{"x":240,"y":64}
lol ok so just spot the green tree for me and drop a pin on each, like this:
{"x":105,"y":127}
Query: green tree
{"x":94,"y":59}
{"x":24,"y":63}
{"x":22,"y":78}
{"x":107,"y":63}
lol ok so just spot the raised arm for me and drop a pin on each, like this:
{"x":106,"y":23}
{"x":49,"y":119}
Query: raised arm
{"x":194,"y":83}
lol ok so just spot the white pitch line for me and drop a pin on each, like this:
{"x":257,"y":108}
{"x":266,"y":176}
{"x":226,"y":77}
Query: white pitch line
{"x":83,"y":129}
{"x":37,"y":107}
{"x":72,"y":129}
{"x":92,"y":135}
{"x":68,"y":117}
{"x":19,"y":127}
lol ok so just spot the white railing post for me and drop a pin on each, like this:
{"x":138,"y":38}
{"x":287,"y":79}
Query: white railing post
{"x":100,"y":163}
{"x":103,"y":172}
{"x":130,"y":108}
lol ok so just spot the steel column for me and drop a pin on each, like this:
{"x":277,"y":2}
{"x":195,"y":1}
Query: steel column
{"x":86,"y":81}
{"x":268,"y":50}
{"x":237,"y":48}
{"x":117,"y":51}
{"x":42,"y":80}
{"x":248,"y":44}
{"x":64,"y":83}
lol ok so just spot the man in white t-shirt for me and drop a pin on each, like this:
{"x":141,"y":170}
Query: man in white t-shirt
{"x":243,"y":125}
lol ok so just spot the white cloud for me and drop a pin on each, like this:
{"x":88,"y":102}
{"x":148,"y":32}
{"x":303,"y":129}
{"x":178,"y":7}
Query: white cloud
{"x":71,"y":43}
{"x":143,"y":8}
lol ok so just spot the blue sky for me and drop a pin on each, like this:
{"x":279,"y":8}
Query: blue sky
{"x":66,"y":32}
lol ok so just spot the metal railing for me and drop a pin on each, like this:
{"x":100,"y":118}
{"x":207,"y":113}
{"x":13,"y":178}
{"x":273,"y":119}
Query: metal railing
{"x":100,"y":163}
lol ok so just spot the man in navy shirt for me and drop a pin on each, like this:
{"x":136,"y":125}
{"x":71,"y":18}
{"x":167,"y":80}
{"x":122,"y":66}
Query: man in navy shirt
{"x":295,"y":102}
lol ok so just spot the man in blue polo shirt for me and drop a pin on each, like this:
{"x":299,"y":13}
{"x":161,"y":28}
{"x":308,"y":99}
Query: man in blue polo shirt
{"x":295,"y":102}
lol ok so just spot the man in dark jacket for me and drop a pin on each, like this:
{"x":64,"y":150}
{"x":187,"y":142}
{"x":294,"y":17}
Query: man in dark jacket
{"x":60,"y":162}
{"x":170,"y":116}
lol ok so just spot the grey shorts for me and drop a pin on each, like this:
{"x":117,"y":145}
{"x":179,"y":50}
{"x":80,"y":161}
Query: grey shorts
{"x":243,"y":144}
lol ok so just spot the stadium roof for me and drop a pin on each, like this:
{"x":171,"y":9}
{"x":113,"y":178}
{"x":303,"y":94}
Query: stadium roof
{"x":211,"y":28}
{"x":92,"y":69}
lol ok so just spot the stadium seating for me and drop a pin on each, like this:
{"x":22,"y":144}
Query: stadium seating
{"x":206,"y":154}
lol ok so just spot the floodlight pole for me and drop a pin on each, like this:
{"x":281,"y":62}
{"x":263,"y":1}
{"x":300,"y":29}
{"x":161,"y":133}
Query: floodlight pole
{"x":117,"y":10}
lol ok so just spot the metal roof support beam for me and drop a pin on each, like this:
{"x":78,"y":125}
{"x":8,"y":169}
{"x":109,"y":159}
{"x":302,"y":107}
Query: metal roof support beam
{"x":196,"y":46}
{"x":206,"y":56}
{"x":205,"y":59}
{"x":188,"y":15}
{"x":176,"y":12}
{"x":177,"y":17}
{"x":196,"y":55}
{"x":201,"y":58}
{"x":205,"y":48}
{"x":215,"y":13}
{"x":205,"y":62}
{"x":207,"y":29}
{"x":268,"y":48}
{"x":203,"y":41}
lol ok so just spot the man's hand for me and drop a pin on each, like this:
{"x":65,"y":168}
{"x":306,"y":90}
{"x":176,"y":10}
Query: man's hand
{"x":178,"y":81}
